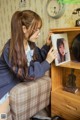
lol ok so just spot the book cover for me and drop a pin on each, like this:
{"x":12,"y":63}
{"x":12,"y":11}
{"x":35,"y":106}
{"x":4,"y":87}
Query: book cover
{"x":60,"y":43}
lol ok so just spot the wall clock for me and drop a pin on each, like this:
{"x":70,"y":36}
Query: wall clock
{"x":55,"y":8}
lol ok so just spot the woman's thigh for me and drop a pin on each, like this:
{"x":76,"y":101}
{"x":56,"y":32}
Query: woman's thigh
{"x":4,"y":108}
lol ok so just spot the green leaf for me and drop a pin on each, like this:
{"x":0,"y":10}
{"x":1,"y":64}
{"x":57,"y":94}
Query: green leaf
{"x":69,"y":1}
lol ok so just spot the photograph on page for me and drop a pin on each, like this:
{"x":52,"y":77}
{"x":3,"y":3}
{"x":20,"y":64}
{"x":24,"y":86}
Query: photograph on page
{"x":60,"y":43}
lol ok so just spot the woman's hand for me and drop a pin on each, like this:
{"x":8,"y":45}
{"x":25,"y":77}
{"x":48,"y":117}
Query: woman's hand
{"x":52,"y":54}
{"x":48,"y":41}
{"x":34,"y":36}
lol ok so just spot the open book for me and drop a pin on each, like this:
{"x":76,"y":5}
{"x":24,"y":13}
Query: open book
{"x":60,"y":43}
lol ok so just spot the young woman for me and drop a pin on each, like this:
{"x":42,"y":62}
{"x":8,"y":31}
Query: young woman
{"x":61,"y":50}
{"x":21,"y":59}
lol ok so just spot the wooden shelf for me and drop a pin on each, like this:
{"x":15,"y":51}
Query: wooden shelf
{"x":61,"y":91}
{"x":63,"y":103}
{"x":71,"y":64}
{"x":73,"y":29}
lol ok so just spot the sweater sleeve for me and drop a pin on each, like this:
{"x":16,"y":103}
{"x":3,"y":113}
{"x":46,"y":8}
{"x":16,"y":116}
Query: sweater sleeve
{"x":41,"y":53}
{"x":44,"y":50}
{"x":37,"y":69}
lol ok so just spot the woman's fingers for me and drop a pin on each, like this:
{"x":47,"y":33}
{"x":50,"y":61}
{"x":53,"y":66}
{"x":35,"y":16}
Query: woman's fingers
{"x":52,"y":54}
{"x":48,"y":41}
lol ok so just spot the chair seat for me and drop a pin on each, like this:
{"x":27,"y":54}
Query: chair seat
{"x":28,"y":98}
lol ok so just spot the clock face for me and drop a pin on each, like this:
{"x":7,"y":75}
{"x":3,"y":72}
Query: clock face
{"x":55,"y":9}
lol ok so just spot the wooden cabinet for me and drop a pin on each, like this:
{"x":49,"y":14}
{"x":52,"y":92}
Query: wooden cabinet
{"x":63,"y":103}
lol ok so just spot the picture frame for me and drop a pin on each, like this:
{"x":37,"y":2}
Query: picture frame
{"x":60,"y":43}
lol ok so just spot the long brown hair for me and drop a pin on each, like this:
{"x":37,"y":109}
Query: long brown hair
{"x":30,"y":20}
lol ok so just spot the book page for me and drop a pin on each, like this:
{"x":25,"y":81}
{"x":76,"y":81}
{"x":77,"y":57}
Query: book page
{"x":60,"y":43}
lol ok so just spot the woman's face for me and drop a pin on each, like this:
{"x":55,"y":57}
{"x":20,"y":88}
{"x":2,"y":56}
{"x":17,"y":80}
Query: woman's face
{"x":62,"y":50}
{"x":35,"y":35}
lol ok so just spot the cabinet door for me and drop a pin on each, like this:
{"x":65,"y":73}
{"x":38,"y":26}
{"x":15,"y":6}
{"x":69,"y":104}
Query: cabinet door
{"x":65,"y":106}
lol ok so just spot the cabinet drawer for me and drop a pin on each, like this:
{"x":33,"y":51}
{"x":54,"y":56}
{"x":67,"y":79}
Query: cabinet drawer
{"x":65,"y":106}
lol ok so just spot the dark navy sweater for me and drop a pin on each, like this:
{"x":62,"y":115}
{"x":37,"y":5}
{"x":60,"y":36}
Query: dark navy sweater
{"x":8,"y":77}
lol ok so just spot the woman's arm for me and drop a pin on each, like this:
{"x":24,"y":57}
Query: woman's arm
{"x":45,"y":49}
{"x":37,"y":69}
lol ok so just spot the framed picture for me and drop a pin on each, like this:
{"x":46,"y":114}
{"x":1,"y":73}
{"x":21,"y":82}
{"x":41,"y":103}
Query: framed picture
{"x":60,"y":43}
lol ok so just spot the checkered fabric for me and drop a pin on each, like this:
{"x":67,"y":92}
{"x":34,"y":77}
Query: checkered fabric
{"x":28,"y":98}
{"x":9,"y":116}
